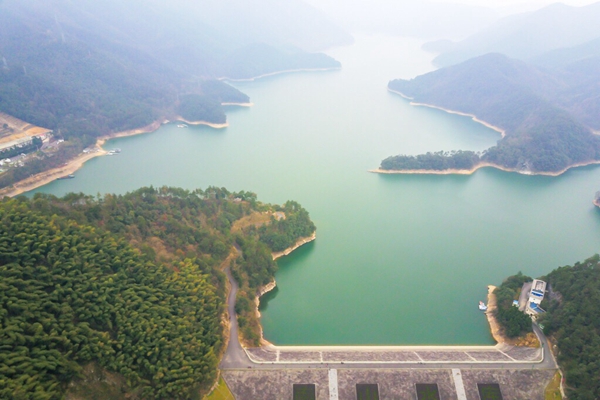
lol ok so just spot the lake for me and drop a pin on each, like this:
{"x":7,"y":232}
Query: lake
{"x":399,"y":259}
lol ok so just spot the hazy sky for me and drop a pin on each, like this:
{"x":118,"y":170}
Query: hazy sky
{"x":500,"y":3}
{"x":512,"y":5}
{"x":453,"y":19}
{"x":516,"y":5}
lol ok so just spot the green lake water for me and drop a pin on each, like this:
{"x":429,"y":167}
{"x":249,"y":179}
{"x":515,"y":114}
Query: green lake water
{"x":399,"y":259}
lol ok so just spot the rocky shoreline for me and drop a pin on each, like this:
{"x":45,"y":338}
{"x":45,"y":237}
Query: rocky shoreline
{"x":473,"y":117}
{"x":479,"y":166}
{"x":300,"y":242}
{"x":200,"y":122}
{"x":261,"y":292}
{"x":288,"y":71}
{"x":495,"y":328}
{"x":271,"y":285}
{"x":45,"y":177}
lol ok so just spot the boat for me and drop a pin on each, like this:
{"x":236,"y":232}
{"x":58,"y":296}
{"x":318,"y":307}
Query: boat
{"x":182,"y":126}
{"x":70,"y":176}
{"x":482,"y":306}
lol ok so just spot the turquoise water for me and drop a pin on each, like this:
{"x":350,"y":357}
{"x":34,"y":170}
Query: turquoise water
{"x":398,"y":259}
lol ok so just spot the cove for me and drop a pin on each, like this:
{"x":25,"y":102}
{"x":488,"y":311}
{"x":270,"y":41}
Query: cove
{"x":399,"y":259}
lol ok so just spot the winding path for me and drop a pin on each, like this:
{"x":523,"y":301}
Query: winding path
{"x":235,"y":356}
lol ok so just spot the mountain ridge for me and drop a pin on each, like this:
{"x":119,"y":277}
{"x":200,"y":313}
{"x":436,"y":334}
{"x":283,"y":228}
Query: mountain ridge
{"x":550,"y":28}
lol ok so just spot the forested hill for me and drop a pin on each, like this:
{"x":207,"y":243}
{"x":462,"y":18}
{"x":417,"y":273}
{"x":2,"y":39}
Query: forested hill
{"x":573,"y":320}
{"x":91,"y":68}
{"x":127,"y":286}
{"x":547,"y":114}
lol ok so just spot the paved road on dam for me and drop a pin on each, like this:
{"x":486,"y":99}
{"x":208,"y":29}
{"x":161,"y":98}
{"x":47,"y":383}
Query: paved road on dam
{"x":500,"y":356}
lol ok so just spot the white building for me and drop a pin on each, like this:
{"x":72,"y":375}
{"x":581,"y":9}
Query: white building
{"x":538,"y":288}
{"x":536,"y":295}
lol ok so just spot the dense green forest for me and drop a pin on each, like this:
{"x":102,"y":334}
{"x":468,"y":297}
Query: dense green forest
{"x":195,"y":107}
{"x":438,"y":161}
{"x":253,"y":269}
{"x":132,"y":283}
{"x":547,"y":114}
{"x":283,"y":233}
{"x":573,"y":320}
{"x":515,"y":323}
{"x":255,"y":245}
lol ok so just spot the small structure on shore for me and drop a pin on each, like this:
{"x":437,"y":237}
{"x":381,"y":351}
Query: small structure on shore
{"x":70,"y":176}
{"x":536,"y":296}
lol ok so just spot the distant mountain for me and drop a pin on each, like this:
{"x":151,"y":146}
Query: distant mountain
{"x":87,"y":68}
{"x":547,"y":114}
{"x":258,"y":59}
{"x":275,"y":22}
{"x":416,"y":18}
{"x":568,"y":55}
{"x":527,"y":35}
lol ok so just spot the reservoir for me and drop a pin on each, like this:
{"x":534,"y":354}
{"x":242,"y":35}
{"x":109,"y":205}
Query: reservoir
{"x":399,"y":259}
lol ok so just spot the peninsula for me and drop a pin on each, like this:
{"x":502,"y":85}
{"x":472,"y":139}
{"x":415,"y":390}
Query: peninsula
{"x":542,"y":132}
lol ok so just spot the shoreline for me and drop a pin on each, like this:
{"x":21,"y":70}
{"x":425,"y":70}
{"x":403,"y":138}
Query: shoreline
{"x":596,"y":202}
{"x":45,"y":177}
{"x":473,"y":117}
{"x":439,"y":172}
{"x":479,"y":166}
{"x":400,"y":93}
{"x":261,"y":292}
{"x":238,"y":104}
{"x":200,"y":122}
{"x":271,"y":285}
{"x":495,"y":329}
{"x":300,"y":242}
{"x":287,"y":71}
